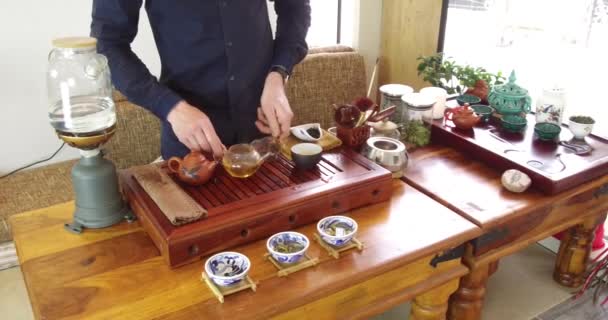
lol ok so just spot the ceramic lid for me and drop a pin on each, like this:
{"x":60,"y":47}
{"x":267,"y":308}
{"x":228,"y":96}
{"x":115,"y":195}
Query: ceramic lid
{"x":395,"y":90}
{"x":417,"y":100}
{"x":511,"y":89}
{"x":383,"y":126}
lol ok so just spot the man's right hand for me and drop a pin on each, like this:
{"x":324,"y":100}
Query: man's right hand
{"x":194,"y":129}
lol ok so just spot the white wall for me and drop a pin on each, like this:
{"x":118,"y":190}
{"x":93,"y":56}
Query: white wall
{"x":26,"y":30}
{"x":361,"y":27}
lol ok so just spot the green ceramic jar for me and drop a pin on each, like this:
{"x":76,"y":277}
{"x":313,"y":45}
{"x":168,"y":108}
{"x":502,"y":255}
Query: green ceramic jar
{"x":509,"y":98}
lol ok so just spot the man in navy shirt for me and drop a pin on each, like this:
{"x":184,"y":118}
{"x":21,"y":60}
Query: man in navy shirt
{"x":223,"y":75}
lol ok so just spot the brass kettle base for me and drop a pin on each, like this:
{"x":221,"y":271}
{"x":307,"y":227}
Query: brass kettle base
{"x":89,"y":140}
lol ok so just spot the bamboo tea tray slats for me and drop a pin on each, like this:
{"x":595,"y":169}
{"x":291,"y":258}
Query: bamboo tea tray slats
{"x":277,"y":198}
{"x":552,"y":167}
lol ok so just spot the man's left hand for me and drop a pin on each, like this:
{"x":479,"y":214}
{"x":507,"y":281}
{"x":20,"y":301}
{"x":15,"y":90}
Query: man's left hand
{"x":274,"y":115}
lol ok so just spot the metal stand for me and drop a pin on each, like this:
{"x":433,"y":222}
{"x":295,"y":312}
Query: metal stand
{"x":99,"y":204}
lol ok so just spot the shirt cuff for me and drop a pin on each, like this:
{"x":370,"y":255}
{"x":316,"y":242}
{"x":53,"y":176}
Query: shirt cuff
{"x":283,"y":60}
{"x":165,"y":103}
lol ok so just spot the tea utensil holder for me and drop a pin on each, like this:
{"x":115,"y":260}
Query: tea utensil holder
{"x":285,"y":270}
{"x":221,"y":292}
{"x":335,"y":251}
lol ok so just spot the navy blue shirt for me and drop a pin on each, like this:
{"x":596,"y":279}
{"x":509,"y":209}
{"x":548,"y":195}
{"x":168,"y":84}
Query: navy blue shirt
{"x":215,"y":54}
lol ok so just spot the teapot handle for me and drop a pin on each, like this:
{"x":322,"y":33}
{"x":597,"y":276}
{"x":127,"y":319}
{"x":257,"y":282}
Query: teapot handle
{"x":448,"y":115}
{"x":174,"y":164}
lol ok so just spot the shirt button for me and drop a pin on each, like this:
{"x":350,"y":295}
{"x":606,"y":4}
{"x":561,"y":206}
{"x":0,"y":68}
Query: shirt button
{"x":223,"y":3}
{"x":232,"y":78}
{"x":229,"y":43}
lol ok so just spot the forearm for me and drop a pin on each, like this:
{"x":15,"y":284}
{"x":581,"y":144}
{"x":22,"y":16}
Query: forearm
{"x":293,"y":21}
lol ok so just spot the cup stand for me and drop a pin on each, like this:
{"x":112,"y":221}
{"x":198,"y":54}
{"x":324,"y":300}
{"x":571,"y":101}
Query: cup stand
{"x":335,"y":251}
{"x":285,"y":270}
{"x":221,"y":292}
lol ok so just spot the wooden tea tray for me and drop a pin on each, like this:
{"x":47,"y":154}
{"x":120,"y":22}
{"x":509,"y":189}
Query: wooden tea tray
{"x":552,"y":167}
{"x":277,"y":198}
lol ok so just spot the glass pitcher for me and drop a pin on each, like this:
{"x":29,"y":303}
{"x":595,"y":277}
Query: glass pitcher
{"x":80,"y":92}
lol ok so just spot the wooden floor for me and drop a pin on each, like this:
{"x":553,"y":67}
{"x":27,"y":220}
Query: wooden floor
{"x":582,"y":308}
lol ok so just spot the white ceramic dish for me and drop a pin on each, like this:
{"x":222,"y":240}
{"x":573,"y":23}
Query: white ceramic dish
{"x":301,"y":133}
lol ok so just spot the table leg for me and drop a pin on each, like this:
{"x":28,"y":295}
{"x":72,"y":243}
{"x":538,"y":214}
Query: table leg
{"x":467,"y":301}
{"x":493,"y":267}
{"x":433,"y":304}
{"x":574,"y":251}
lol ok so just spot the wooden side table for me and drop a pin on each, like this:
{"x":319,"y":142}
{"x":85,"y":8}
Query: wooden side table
{"x":510,"y":222}
{"x":117,"y":273}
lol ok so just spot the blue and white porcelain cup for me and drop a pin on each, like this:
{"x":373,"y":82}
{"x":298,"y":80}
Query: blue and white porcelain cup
{"x":288,"y":238}
{"x":337,"y":230}
{"x":227,"y":268}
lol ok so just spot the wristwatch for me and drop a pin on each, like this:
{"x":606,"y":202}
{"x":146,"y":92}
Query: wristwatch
{"x":281,"y":70}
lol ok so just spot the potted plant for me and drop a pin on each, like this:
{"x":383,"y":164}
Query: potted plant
{"x":444,"y":72}
{"x":581,"y":126}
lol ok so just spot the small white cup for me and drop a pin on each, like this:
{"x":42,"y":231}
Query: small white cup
{"x":441,"y":96}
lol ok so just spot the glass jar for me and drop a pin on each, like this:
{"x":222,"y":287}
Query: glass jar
{"x":441,"y":96}
{"x":391,"y":96}
{"x":550,"y":105}
{"x":418,"y":117}
{"x":79,"y":91}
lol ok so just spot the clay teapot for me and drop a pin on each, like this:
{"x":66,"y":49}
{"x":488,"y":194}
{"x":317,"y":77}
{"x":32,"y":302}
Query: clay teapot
{"x":463,"y":117}
{"x":194,"y":169}
{"x":480,"y":90}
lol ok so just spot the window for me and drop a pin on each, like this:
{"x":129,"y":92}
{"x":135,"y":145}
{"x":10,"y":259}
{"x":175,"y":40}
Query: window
{"x":324,"y":22}
{"x":546,"y":42}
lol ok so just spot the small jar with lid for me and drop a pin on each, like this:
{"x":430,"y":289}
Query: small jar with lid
{"x":550,"y":105}
{"x":510,"y":98}
{"x":391,"y":96}
{"x":418,"y":117}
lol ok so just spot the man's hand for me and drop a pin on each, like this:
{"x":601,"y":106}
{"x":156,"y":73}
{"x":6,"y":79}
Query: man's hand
{"x":275,"y":115}
{"x":194,"y":129}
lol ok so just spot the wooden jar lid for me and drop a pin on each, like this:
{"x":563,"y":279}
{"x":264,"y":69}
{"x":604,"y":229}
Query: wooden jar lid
{"x":75,"y":42}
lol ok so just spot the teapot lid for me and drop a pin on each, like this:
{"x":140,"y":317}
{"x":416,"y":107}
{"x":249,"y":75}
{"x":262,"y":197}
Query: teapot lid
{"x":75,"y":42}
{"x":511,"y":89}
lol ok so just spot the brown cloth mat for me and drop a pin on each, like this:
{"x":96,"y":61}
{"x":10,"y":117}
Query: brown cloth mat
{"x":174,"y":202}
{"x":328,"y":141}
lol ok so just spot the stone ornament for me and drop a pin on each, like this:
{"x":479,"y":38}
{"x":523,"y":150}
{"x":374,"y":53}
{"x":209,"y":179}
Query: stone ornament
{"x":515,"y":181}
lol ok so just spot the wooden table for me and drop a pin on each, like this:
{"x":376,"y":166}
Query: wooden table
{"x":117,"y":273}
{"x":510,"y":222}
